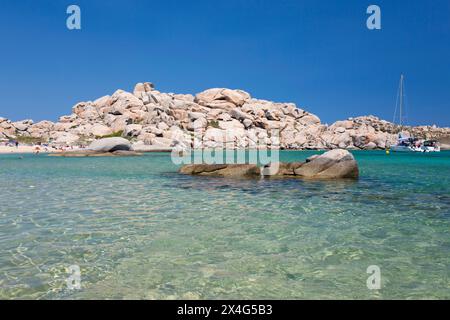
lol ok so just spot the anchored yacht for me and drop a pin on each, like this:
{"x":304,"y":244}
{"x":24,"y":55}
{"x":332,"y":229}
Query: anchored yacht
{"x":410,"y":144}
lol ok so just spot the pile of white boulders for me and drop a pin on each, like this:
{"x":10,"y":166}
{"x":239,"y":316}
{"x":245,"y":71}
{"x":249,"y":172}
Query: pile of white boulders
{"x":215,"y":118}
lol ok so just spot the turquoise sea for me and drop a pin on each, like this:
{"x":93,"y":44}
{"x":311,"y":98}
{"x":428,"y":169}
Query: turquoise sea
{"x":139,"y":230}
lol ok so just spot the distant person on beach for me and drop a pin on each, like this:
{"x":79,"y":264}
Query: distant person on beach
{"x":17,"y":144}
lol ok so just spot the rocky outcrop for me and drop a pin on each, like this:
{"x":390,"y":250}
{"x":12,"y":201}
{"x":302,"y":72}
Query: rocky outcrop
{"x":110,"y":145}
{"x":90,"y":153}
{"x":334,"y":164}
{"x":7,"y":129}
{"x":225,"y":99}
{"x":370,"y":133}
{"x":215,"y":118}
{"x":445,"y":143}
{"x":223,"y":170}
{"x":107,"y":147}
{"x":64,"y":138}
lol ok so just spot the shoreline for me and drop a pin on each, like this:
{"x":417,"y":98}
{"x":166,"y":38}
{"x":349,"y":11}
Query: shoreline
{"x":31,"y":149}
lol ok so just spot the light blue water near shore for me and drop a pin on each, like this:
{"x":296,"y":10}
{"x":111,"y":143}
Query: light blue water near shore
{"x":139,"y":230}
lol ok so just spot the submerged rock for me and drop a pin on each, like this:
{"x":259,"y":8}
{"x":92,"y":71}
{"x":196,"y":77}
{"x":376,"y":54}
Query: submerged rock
{"x":334,"y":164}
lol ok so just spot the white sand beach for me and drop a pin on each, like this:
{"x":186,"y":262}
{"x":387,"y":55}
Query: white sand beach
{"x":32,"y":149}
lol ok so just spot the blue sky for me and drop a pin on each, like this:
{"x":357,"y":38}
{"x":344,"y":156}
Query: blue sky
{"x":318,"y":54}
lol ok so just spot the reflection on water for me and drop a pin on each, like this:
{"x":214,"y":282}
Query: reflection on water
{"x":139,"y":230}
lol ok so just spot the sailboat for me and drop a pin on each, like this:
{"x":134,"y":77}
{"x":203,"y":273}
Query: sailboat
{"x":409,"y":144}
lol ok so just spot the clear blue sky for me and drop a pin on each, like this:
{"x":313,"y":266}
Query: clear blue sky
{"x":318,"y":54}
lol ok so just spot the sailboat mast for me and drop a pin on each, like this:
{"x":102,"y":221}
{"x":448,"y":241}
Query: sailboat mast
{"x":401,"y":100}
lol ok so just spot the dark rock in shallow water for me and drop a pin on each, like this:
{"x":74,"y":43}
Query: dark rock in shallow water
{"x":334,"y":164}
{"x":225,"y":170}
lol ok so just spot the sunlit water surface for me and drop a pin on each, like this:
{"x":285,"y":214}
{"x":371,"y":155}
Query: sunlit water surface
{"x":139,"y":230}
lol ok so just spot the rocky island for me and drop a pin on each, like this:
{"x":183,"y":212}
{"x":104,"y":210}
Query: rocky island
{"x":152,"y":120}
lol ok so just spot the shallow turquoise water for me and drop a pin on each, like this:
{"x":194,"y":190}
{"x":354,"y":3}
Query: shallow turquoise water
{"x":137,"y":229}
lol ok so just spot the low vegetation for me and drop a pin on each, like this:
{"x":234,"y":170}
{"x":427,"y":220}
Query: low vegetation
{"x":29,"y":140}
{"x":112,"y":135}
{"x":213,"y":124}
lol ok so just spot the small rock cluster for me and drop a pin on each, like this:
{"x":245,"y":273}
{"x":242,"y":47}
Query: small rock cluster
{"x":334,"y":164}
{"x":217,"y":117}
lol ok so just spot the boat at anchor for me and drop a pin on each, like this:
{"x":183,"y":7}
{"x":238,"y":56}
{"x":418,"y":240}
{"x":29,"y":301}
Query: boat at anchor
{"x":406,"y":143}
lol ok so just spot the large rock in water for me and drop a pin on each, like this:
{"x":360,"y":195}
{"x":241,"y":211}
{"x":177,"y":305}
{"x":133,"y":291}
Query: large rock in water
{"x":334,"y":164}
{"x":110,"y":145}
{"x":224,"y":170}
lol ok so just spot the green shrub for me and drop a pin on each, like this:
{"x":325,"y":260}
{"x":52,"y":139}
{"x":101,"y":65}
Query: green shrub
{"x":29,"y":140}
{"x":112,"y":135}
{"x":214,"y":124}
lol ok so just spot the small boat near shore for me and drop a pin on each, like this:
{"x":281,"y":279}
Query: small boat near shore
{"x":415,"y":145}
{"x":410,"y":144}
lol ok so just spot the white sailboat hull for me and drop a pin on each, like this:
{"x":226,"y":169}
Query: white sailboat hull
{"x":431,"y":149}
{"x":405,"y":149}
{"x":414,"y":149}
